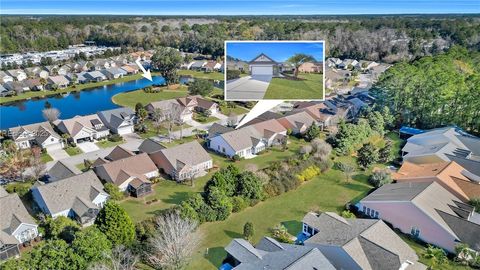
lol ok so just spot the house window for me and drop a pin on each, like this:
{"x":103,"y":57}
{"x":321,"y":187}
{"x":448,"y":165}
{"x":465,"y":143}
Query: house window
{"x":52,"y":139}
{"x":415,"y":232}
{"x":364,"y":209}
{"x":305,"y":227}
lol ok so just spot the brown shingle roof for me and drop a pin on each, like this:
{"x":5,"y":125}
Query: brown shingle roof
{"x":131,"y":166}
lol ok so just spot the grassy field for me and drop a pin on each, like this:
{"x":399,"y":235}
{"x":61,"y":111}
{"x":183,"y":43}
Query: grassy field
{"x":203,"y":119}
{"x":72,"y":151}
{"x":237,"y":110}
{"x":129,"y":99}
{"x":107,"y":143}
{"x":202,"y":75}
{"x":78,"y":87}
{"x":310,"y":88}
{"x":327,"y":192}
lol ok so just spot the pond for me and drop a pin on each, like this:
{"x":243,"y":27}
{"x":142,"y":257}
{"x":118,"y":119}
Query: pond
{"x":84,"y":102}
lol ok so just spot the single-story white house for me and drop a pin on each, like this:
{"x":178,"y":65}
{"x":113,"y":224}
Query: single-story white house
{"x":262,"y":65}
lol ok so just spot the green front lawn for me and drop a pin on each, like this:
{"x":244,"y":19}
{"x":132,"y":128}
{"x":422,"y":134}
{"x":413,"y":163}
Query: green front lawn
{"x":129,"y":99}
{"x":202,"y":75}
{"x":327,"y":192}
{"x":237,"y":110}
{"x":310,"y":88}
{"x":72,"y":151}
{"x":203,"y":119}
{"x":45,"y":157}
{"x":106,"y":143}
{"x":77,"y":87}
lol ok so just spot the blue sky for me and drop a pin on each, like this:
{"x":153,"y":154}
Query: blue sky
{"x":279,"y":52}
{"x":231,"y":7}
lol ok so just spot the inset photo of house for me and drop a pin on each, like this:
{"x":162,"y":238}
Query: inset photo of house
{"x":282,"y":70}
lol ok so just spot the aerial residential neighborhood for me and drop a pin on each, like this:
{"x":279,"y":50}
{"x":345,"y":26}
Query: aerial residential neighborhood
{"x":302,"y":141}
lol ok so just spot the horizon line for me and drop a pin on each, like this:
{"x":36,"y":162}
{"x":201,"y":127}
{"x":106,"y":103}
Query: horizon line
{"x":257,"y":15}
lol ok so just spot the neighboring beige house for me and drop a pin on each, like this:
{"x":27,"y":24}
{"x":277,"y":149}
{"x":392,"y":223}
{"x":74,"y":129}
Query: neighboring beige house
{"x":325,"y":113}
{"x":181,"y":109}
{"x":17,"y":74}
{"x":311,"y":67}
{"x":350,"y":243}
{"x":16,"y":225}
{"x":184,"y":161}
{"x":83,"y":128}
{"x":298,"y":122}
{"x":60,"y":81}
{"x":426,"y":211}
{"x":40,"y":134}
{"x":79,"y":197}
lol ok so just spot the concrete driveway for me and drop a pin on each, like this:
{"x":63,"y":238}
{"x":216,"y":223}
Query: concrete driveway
{"x":58,"y":154}
{"x":249,"y":87}
{"x":87,"y":147}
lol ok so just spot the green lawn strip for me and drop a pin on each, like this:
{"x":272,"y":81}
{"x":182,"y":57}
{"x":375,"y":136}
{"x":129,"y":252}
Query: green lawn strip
{"x":81,"y":167}
{"x":420,"y":249}
{"x":107,"y":143}
{"x":203,"y":119}
{"x":326,"y":192}
{"x":202,"y":75}
{"x":77,"y":87}
{"x":130,"y":99}
{"x":72,"y":151}
{"x":45,"y":157}
{"x":180,"y":141}
{"x":237,"y":110}
{"x":311,"y":88}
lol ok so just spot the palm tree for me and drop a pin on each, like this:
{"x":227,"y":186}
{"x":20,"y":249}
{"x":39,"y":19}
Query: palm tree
{"x":298,"y":59}
{"x":43,"y":82}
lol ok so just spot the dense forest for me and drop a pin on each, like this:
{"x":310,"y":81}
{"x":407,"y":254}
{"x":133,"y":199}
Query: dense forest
{"x":435,"y":91}
{"x":386,"y":38}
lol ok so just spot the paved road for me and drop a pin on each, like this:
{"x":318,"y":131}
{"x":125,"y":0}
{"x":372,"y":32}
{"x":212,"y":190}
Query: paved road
{"x":247,"y":88}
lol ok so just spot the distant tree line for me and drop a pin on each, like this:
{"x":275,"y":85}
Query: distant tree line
{"x":434,"y":91}
{"x":386,"y":38}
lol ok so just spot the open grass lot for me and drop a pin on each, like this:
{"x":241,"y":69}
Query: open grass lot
{"x":78,"y":87}
{"x":203,"y":119}
{"x":327,"y":192}
{"x":72,"y":151}
{"x":202,"y":75}
{"x":237,"y":110}
{"x":107,"y":143}
{"x":310,"y":88}
{"x":129,"y":99}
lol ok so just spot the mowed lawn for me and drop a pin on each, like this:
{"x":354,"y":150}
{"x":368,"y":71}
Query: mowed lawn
{"x":202,"y":75}
{"x":327,"y":192}
{"x":310,"y":88}
{"x":129,"y":99}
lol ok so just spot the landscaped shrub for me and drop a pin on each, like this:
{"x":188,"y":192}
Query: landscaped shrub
{"x":238,"y":204}
{"x":236,"y":158}
{"x":379,"y":178}
{"x":233,"y":74}
{"x":248,"y":231}
{"x":113,"y":191}
{"x":308,"y":173}
{"x":347,"y":214}
{"x":115,"y":138}
{"x":280,"y":233}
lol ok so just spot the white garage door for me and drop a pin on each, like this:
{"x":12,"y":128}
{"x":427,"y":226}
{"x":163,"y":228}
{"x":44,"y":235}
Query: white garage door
{"x":52,"y":147}
{"x":125,"y":130}
{"x":262,"y":70}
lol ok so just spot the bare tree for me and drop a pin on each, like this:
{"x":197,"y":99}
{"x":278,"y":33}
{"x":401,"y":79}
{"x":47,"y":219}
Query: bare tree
{"x":51,"y":114}
{"x":347,"y":169}
{"x":321,"y":149}
{"x":120,"y":258}
{"x":174,"y":242}
{"x":37,"y":165}
{"x":158,"y":118}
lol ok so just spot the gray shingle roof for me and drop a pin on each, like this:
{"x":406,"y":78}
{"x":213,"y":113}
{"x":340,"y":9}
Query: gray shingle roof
{"x":12,"y":214}
{"x":114,"y":118}
{"x":370,"y":243}
{"x":216,"y":129}
{"x":191,"y":154}
{"x":285,"y":256}
{"x":150,"y":146}
{"x":62,"y":195}
{"x":61,"y":171}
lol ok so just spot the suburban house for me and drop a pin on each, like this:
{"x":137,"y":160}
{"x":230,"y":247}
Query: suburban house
{"x":79,"y":197}
{"x":350,"y":243}
{"x":114,"y":73}
{"x":130,"y":69}
{"x":120,"y":121}
{"x":326,"y":114}
{"x":95,"y":76}
{"x":4,"y":77}
{"x":40,"y":134}
{"x":131,"y":173}
{"x":83,"y":128}
{"x":211,"y":66}
{"x":61,"y":171}
{"x":170,"y":108}
{"x":60,"y":81}
{"x":444,"y":144}
{"x":262,"y":65}
{"x":16,"y":225}
{"x":198,"y":65}
{"x":273,"y":133}
{"x":150,"y":146}
{"x":17,"y":74}
{"x":311,"y":67}
{"x":5,"y":92}
{"x":80,"y":66}
{"x":198,"y":103}
{"x":297,"y":123}
{"x":450,"y":175}
{"x":271,"y":254}
{"x":184,"y":161}
{"x":99,"y":64}
{"x":216,"y":129}
{"x":426,"y":211}
{"x":34,"y":84}
{"x":16,"y":87}
{"x":36,"y":72}
{"x":237,"y":65}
